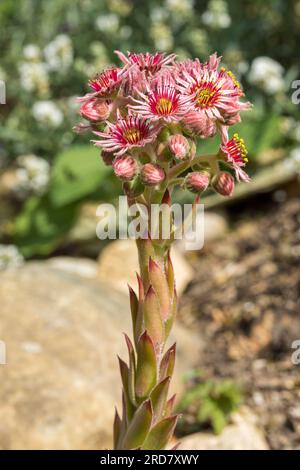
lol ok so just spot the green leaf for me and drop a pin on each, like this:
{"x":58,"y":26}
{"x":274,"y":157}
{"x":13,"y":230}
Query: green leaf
{"x":159,"y":398}
{"x":160,"y":434}
{"x":77,"y":173}
{"x":146,"y":367}
{"x":41,"y":227}
{"x":139,"y":427}
{"x":152,"y":318}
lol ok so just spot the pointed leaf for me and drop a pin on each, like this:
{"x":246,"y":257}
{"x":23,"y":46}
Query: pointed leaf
{"x":159,"y":283}
{"x":170,"y":321}
{"x":169,"y":406}
{"x":170,"y":274}
{"x":160,"y":434}
{"x":152,"y":319}
{"x":131,"y":371}
{"x":167,"y":363}
{"x":146,"y":372}
{"x":159,"y":398}
{"x":139,"y":427}
{"x":124,"y":370}
{"x":117,"y":428}
{"x":134,"y":305}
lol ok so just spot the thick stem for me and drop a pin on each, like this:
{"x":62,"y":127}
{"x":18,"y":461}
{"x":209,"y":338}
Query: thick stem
{"x":147,"y":421}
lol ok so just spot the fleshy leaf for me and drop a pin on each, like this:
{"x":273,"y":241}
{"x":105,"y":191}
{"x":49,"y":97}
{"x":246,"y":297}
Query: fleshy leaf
{"x":167,"y":363}
{"x":139,"y":427}
{"x":117,"y":428}
{"x":134,"y":305}
{"x":146,"y":372}
{"x":131,"y":371}
{"x":124,"y":370}
{"x":160,"y":434}
{"x":152,"y":319}
{"x":159,"y":398}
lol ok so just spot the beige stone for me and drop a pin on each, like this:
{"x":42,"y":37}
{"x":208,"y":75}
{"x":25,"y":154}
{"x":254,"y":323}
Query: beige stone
{"x":242,"y":434}
{"x":61,"y":381}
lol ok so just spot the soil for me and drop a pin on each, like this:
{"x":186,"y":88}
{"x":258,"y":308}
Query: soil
{"x":245,"y":302}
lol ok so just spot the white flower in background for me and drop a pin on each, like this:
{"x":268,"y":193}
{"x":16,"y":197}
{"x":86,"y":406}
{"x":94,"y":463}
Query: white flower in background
{"x":267,"y":74}
{"x":287,"y":125}
{"x":125,"y":32}
{"x":47,"y":113}
{"x":34,"y":77}
{"x":293,"y":162}
{"x":217,"y":16}
{"x":10,"y":257}
{"x":199,"y":39}
{"x":32,"y":52}
{"x":121,"y":7}
{"x":108,"y":23}
{"x":295,"y":155}
{"x":296,"y":131}
{"x":59,"y":53}
{"x":162,"y":36}
{"x":180,"y":7}
{"x":158,"y":14}
{"x":32,"y":175}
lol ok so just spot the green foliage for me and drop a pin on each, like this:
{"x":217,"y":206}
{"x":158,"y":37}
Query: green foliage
{"x":77,"y":173}
{"x":41,"y":226}
{"x":209,"y":403}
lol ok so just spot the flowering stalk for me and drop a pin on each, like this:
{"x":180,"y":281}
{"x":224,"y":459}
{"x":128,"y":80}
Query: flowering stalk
{"x":147,"y":117}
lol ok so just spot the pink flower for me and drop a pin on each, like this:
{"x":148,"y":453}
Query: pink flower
{"x":95,"y":110}
{"x":107,"y":81}
{"x":125,"y":167}
{"x":148,"y":63}
{"x":235,"y":153}
{"x":161,"y":102}
{"x":215,"y":92}
{"x":178,"y":146}
{"x":200,"y":124}
{"x":127,"y":133}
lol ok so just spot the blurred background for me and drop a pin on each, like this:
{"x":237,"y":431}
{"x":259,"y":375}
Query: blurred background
{"x":245,"y":314}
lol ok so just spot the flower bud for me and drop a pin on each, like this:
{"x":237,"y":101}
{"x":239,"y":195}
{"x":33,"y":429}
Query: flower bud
{"x":95,"y":110}
{"x":152,"y":174}
{"x":125,"y":167}
{"x":200,"y":124}
{"x":179,"y":146}
{"x":197,"y":181}
{"x":223,"y":183}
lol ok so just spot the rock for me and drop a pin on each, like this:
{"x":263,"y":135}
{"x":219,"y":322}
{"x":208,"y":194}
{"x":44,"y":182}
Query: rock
{"x":61,"y":381}
{"x":215,"y":226}
{"x":242,"y":434}
{"x":84,"y":267}
{"x":118,"y":263}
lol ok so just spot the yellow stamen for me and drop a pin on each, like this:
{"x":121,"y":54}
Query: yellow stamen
{"x":204,"y":97}
{"x":132,"y":135}
{"x":232,"y":76}
{"x":164,"y":106}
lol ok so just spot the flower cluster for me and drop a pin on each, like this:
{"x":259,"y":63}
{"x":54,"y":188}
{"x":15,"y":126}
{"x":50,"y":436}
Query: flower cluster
{"x":148,"y":114}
